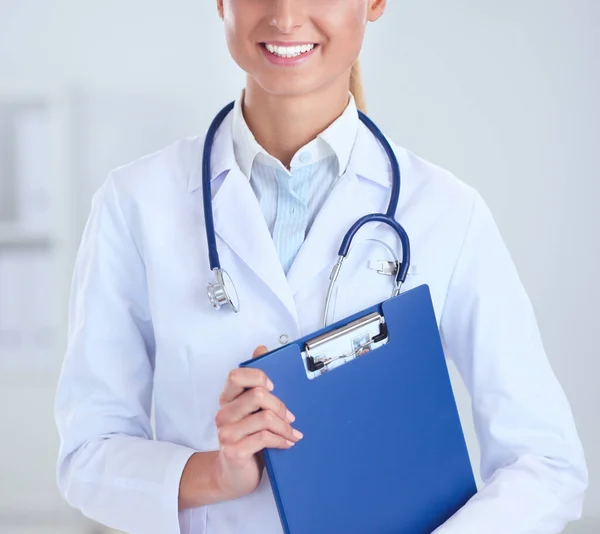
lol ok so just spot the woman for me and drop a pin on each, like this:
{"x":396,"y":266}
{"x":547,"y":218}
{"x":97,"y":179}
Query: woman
{"x":292,"y":168}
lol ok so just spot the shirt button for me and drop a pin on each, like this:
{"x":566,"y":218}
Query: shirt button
{"x":305,"y":157}
{"x":284,"y":339}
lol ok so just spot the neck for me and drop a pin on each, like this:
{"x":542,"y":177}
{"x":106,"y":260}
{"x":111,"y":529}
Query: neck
{"x":282,"y":125}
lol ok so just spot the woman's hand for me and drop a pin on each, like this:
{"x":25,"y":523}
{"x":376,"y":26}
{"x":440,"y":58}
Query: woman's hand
{"x":244,"y":431}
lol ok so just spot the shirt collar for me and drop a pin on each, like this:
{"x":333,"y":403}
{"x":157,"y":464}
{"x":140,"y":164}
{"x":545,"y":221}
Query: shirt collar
{"x":367,"y":158}
{"x":337,"y":140}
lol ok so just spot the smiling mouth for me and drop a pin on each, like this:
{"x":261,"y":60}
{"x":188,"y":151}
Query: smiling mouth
{"x":288,"y":52}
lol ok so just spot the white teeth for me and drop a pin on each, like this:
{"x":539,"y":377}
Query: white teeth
{"x":289,"y":51}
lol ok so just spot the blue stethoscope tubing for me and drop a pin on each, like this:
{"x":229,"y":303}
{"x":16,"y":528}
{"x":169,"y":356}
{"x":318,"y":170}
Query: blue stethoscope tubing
{"x":220,"y":295}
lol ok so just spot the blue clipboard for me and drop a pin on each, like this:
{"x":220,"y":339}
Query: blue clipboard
{"x":383,"y":449}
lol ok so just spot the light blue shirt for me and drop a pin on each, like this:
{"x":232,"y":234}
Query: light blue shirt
{"x":291,"y":199}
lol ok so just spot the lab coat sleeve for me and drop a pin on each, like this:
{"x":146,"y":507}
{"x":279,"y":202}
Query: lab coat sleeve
{"x":109,"y":466}
{"x":532,"y":463}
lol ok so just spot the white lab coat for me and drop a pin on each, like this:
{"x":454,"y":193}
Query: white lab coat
{"x":142,"y":330}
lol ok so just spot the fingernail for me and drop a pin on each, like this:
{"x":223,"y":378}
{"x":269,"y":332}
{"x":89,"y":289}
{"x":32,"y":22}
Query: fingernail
{"x":298,"y":434}
{"x":270,"y":385}
{"x":290,"y":443}
{"x":290,"y":416}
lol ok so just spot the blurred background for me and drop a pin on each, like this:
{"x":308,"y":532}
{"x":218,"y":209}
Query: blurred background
{"x":503,"y":94}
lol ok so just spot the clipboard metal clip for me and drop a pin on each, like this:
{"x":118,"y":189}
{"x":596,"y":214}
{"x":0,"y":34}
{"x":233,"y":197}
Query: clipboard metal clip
{"x":345,"y":343}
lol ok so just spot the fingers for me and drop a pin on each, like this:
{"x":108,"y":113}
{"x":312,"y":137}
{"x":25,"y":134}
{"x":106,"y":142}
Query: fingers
{"x":264,"y":420}
{"x":254,"y":443}
{"x":251,"y":418}
{"x":259,"y":351}
{"x":241,"y":379}
{"x":251,"y":401}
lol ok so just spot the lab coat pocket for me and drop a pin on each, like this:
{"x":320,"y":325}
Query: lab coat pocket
{"x":366,"y":284}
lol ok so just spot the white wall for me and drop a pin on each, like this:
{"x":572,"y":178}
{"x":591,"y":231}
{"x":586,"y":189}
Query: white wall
{"x":504,"y":94}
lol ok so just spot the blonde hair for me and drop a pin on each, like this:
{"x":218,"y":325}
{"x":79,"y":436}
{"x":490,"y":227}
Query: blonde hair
{"x":356,"y":87}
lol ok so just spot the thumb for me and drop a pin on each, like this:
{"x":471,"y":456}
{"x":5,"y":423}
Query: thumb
{"x":259,"y":351}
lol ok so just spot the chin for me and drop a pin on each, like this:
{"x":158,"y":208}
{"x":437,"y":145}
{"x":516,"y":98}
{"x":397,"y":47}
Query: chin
{"x":282,"y":85}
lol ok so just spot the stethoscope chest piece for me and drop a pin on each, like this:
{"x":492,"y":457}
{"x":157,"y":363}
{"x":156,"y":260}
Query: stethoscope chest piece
{"x":222,"y":293}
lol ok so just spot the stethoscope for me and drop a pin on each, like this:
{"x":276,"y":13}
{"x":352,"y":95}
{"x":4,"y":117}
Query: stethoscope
{"x":222,"y":292}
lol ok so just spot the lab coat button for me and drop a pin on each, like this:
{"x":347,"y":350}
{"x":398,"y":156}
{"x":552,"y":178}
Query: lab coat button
{"x":284,"y":339}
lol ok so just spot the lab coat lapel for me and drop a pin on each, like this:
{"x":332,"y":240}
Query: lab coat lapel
{"x":345,"y":205}
{"x":240,"y":223}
